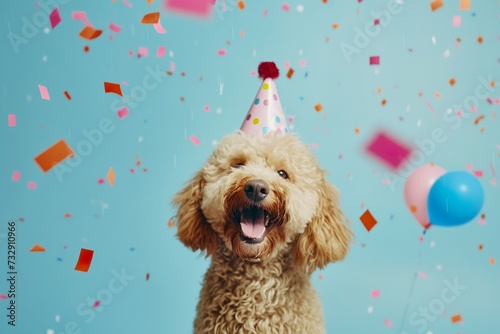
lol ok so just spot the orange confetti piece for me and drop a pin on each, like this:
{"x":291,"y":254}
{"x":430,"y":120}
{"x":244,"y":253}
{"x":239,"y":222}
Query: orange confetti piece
{"x":335,"y":26}
{"x":413,"y":208}
{"x":67,"y":215}
{"x":452,"y":81}
{"x":241,"y":5}
{"x":318,"y":107}
{"x":53,"y":155}
{"x":171,"y":223}
{"x":150,"y":2}
{"x":464,"y":5}
{"x":368,"y":220}
{"x":480,"y":247}
{"x":151,"y":18}
{"x":480,"y":40}
{"x":90,"y":33}
{"x":290,"y":73}
{"x":86,"y":48}
{"x":37,"y":248}
{"x":478,"y":119}
{"x":356,"y":130}
{"x":67,"y":95}
{"x":456,"y":318}
{"x":492,"y":261}
{"x":110,"y":87}
{"x":383,"y":102}
{"x":111,"y":176}
{"x":436,"y":4}
{"x":84,"y":260}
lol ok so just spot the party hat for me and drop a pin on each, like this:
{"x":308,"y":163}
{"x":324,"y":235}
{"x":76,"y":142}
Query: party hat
{"x":265,"y":114}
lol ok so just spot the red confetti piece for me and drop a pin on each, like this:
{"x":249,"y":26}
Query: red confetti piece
{"x":110,"y":87}
{"x":84,"y":260}
{"x":388,"y":149}
{"x":55,"y":18}
{"x":96,"y":303}
{"x":67,"y":95}
{"x":53,"y":155}
{"x":147,"y":276}
{"x":368,"y":220}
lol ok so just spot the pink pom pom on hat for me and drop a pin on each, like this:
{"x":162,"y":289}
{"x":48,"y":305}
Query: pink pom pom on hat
{"x":266,"y":114}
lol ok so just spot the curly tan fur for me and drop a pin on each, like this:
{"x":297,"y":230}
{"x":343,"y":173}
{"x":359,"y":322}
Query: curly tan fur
{"x":262,"y":287}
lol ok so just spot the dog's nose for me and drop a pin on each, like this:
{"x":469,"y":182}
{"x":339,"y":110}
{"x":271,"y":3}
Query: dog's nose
{"x":256,"y":190}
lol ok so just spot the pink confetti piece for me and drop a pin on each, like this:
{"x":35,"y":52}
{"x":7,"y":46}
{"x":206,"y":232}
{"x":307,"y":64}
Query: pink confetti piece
{"x":3,"y":296}
{"x":44,"y":93}
{"x":126,"y":3}
{"x":473,"y":108}
{"x":81,"y":16}
{"x":478,"y":173}
{"x":172,"y":66}
{"x":114,"y":27}
{"x":314,"y":146}
{"x":55,"y":18}
{"x":100,"y":181}
{"x":285,"y":7}
{"x":31,"y":185}
{"x":16,"y":176}
{"x":302,"y":63}
{"x":385,"y":181}
{"x":376,"y":22}
{"x":375,"y":293}
{"x":374,"y":60}
{"x":388,"y":149}
{"x":388,"y":323}
{"x":159,"y":28}
{"x":421,"y":274}
{"x":96,"y":303}
{"x":469,"y":166}
{"x":286,"y":65}
{"x":221,"y":52}
{"x":481,"y":222}
{"x":143,"y":51}
{"x":161,"y":51}
{"x":431,"y":108}
{"x":197,"y":8}
{"x":194,"y":140}
{"x":264,"y":13}
{"x":11,"y":120}
{"x":421,"y":238}
{"x":457,"y":21}
{"x":459,"y":113}
{"x":206,"y":108}
{"x":253,"y":73}
{"x":123,"y":112}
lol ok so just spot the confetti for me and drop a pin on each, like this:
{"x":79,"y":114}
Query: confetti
{"x":423,"y":275}
{"x":375,"y":60}
{"x":31,"y":185}
{"x":90,"y":33}
{"x":55,"y":18}
{"x":114,"y":27}
{"x":84,"y":260}
{"x":44,"y":92}
{"x":375,"y":293}
{"x":431,"y":108}
{"x":161,"y":51}
{"x":171,"y":223}
{"x":81,"y":16}
{"x":285,"y":7}
{"x":388,"y":149}
{"x":491,"y":260}
{"x":110,"y":87}
{"x":151,"y":18}
{"x":37,"y":248}
{"x":123,"y":112}
{"x":54,"y":155}
{"x":368,"y":220}
{"x":221,"y":52}
{"x":159,"y":28}
{"x":194,"y":140}
{"x":3,"y":297}
{"x":335,"y":26}
{"x":67,"y":95}
{"x":111,"y":176}
{"x":388,"y":323}
{"x":142,"y":52}
{"x":67,"y":215}
{"x":436,"y":4}
{"x":241,"y":4}
{"x":96,"y":303}
{"x":464,"y":5}
{"x":16,"y":176}
{"x":11,"y":120}
{"x":318,"y":107}
{"x":193,"y":7}
{"x":457,"y":21}
{"x":456,"y":318}
{"x":147,"y":276}
{"x":289,"y":74}
{"x":452,"y":81}
{"x":126,"y":3}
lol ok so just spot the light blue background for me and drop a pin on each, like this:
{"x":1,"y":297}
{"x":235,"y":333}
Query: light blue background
{"x":126,"y":224}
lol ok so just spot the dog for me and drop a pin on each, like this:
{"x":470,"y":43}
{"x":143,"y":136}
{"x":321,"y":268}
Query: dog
{"x":264,"y":212}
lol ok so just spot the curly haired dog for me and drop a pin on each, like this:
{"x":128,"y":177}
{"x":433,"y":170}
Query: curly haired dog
{"x":263,"y":210}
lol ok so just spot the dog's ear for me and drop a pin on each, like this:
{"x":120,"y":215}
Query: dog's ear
{"x":327,"y":236}
{"x":192,"y":227}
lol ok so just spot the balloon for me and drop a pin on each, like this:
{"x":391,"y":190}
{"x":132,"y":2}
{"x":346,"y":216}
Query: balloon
{"x":416,"y":191}
{"x":455,"y":199}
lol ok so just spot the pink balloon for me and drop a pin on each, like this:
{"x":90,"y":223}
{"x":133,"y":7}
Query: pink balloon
{"x":416,"y":191}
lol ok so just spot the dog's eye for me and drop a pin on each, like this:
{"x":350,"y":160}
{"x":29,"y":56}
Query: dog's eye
{"x":283,"y":174}
{"x":238,"y":165}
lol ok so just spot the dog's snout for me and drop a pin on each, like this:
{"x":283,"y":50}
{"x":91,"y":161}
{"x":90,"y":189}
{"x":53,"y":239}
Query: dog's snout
{"x":256,"y":190}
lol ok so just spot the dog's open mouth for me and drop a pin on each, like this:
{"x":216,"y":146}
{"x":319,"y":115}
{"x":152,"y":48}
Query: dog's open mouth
{"x":254,"y":223}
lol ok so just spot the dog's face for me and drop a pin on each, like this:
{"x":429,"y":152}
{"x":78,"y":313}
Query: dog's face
{"x":259,"y":197}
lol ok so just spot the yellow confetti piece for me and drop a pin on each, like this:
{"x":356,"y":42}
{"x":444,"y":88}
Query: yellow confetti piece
{"x":111,"y":176}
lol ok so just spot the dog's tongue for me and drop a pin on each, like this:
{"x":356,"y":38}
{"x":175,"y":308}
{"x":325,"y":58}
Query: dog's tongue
{"x":252,"y":225}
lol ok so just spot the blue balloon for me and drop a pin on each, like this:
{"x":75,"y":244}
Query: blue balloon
{"x":454,"y":199}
